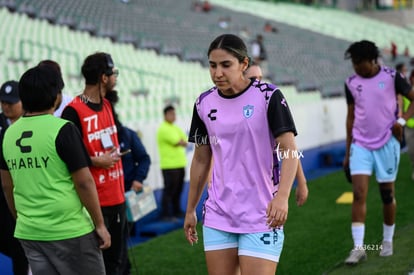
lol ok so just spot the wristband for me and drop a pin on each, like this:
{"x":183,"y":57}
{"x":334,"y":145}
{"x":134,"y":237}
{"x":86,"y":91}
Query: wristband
{"x":401,"y":121}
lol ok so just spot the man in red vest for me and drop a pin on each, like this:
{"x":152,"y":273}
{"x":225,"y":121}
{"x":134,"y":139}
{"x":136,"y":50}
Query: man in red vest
{"x":93,"y":115}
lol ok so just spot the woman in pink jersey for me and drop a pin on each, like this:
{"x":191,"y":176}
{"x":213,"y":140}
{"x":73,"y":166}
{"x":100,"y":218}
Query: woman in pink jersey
{"x":244,"y":125}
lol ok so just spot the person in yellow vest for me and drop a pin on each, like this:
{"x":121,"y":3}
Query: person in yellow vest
{"x":409,"y":128}
{"x":171,"y":147}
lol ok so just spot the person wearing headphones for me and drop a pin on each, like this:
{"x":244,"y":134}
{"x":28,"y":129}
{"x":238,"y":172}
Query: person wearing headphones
{"x":93,"y":115}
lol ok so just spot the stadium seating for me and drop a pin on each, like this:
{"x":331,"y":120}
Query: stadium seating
{"x":332,"y":22}
{"x":149,"y":80}
{"x":25,"y":42}
{"x":307,"y":51}
{"x":171,"y":28}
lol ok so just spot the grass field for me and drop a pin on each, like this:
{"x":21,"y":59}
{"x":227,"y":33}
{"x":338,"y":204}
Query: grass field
{"x":317,"y":235}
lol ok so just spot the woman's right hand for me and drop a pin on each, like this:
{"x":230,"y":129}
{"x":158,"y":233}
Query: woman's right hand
{"x":398,"y":131}
{"x":107,"y":160}
{"x":190,"y":224}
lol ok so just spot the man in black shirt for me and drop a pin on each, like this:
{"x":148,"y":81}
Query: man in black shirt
{"x":9,"y":245}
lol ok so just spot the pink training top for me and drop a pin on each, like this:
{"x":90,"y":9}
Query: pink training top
{"x":375,"y":106}
{"x":241,"y":138}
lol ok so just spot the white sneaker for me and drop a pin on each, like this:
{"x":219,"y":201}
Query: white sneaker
{"x":386,"y":249}
{"x":356,"y":256}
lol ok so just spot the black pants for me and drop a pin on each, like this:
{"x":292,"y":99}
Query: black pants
{"x":115,"y":221}
{"x":126,"y":263}
{"x":173,"y":186}
{"x":9,"y":245}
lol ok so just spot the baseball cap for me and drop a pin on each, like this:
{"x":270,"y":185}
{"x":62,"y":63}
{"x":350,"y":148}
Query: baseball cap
{"x":9,"y":92}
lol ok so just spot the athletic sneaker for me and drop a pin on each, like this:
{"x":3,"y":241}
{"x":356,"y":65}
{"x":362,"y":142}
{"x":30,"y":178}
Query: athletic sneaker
{"x":386,"y":249}
{"x":356,"y":256}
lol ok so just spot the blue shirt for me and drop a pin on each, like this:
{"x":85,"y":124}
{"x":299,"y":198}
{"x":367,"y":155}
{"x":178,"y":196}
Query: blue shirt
{"x":136,"y":164}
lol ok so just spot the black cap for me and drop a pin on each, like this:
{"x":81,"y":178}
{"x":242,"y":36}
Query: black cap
{"x":9,"y":92}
